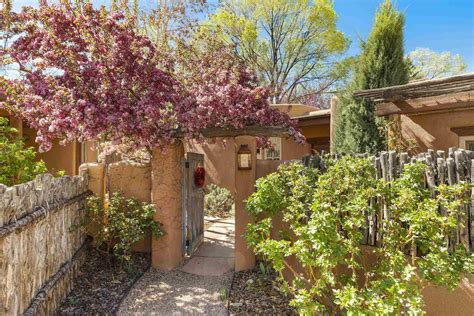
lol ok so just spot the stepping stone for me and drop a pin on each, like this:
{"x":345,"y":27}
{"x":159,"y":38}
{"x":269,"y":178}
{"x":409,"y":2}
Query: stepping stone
{"x":208,"y":266}
{"x":208,"y":249}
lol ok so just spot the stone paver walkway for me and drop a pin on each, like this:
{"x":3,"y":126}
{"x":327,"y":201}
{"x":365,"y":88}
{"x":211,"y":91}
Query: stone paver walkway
{"x":197,"y":287}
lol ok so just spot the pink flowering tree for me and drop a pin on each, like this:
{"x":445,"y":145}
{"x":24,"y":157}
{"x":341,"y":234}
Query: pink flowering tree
{"x":87,"y":75}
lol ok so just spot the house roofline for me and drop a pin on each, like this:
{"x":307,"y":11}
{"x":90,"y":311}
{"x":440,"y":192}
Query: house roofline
{"x":420,"y":89}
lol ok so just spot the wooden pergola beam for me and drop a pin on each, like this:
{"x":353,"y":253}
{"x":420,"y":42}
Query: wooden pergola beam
{"x":448,"y":102}
{"x":254,"y":130}
{"x":420,"y":89}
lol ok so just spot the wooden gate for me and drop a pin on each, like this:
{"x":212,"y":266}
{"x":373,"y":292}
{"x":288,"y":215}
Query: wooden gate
{"x":193,"y":205}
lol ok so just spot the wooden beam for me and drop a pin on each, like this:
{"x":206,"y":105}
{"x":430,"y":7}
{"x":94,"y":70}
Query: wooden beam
{"x":326,"y":120}
{"x":463,"y":131}
{"x":255,"y":130}
{"x":420,"y":89}
{"x":463,"y":100}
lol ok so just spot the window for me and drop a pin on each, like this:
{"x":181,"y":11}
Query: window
{"x":271,"y":154}
{"x":466,"y":142}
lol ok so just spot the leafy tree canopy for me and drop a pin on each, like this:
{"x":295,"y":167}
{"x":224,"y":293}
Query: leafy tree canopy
{"x":427,"y":64}
{"x":292,"y":45}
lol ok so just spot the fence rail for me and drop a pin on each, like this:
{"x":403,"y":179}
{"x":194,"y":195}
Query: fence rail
{"x":39,"y":250}
{"x":455,"y":166}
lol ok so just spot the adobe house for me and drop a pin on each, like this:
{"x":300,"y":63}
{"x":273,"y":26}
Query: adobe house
{"x":434,"y":114}
{"x":65,"y":158}
{"x":220,"y":153}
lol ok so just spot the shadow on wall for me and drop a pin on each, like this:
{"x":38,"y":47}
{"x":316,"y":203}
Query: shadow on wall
{"x":433,"y":130}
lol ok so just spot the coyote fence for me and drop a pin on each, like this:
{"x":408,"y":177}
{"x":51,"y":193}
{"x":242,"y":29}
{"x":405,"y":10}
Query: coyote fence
{"x":441,"y":168}
{"x":40,"y":250}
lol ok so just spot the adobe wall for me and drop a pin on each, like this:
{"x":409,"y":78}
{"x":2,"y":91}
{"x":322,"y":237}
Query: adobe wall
{"x":132,"y":179}
{"x":294,"y":110}
{"x":90,"y":154}
{"x":316,"y":131}
{"x":219,"y":161}
{"x":265,"y":167}
{"x":291,"y":150}
{"x":166,"y":194}
{"x":433,"y":130}
{"x":244,"y":186}
{"x":59,"y":158}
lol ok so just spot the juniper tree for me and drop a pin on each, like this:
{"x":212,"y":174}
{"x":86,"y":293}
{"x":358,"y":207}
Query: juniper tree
{"x":380,"y":64}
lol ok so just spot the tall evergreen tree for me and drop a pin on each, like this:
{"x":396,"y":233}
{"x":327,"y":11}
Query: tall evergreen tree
{"x":380,"y":64}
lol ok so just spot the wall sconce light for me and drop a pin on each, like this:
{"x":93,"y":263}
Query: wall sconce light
{"x":244,"y":158}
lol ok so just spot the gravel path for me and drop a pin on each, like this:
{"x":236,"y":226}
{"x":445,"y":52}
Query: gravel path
{"x":199,"y":287}
{"x":177,"y":293}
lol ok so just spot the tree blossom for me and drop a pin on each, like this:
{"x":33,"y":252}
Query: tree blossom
{"x":88,"y":75}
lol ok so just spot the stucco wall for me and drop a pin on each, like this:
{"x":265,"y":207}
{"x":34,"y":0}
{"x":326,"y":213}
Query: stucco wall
{"x":219,"y":158}
{"x":133,"y":180}
{"x":219,"y":161}
{"x":294,"y":110}
{"x":291,"y":150}
{"x":60,"y":158}
{"x":433,"y":130}
{"x":316,"y":131}
{"x":166,"y":194}
{"x":90,"y":154}
{"x":265,"y":167}
{"x":245,"y":185}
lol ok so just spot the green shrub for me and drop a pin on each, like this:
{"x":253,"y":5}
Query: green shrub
{"x":325,"y":217}
{"x":120,"y":222}
{"x":218,"y":201}
{"x":17,"y":163}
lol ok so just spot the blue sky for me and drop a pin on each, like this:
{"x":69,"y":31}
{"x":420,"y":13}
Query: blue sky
{"x":441,"y":25}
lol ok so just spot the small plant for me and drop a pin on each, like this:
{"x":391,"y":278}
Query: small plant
{"x":120,"y":222}
{"x":263,"y":269}
{"x":224,"y":294}
{"x":60,"y":173}
{"x":17,"y":162}
{"x":218,"y":201}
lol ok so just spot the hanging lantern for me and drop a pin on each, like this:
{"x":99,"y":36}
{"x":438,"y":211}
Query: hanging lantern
{"x":244,"y":158}
{"x":199,"y":176}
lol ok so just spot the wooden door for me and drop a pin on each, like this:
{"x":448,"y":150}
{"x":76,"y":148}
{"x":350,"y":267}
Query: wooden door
{"x":193,"y":205}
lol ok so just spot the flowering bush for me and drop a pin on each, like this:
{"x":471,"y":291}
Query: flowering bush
{"x":17,"y":163}
{"x":325,"y":217}
{"x":88,"y":75}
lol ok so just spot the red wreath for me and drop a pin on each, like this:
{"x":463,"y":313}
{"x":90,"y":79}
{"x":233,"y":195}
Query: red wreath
{"x":199,"y":176}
